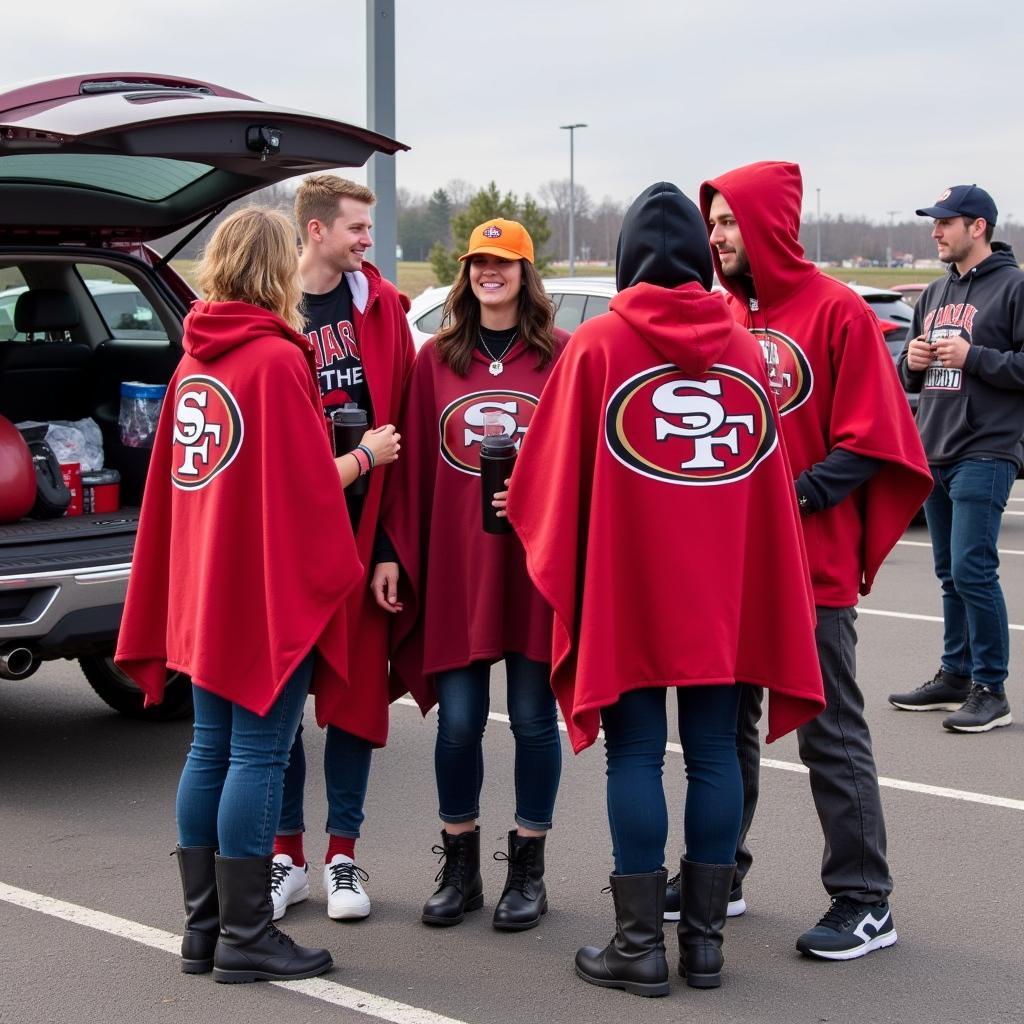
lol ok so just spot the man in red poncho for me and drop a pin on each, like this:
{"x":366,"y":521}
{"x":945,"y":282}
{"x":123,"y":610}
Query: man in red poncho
{"x":654,"y":500}
{"x":356,"y":324}
{"x":861,"y":475}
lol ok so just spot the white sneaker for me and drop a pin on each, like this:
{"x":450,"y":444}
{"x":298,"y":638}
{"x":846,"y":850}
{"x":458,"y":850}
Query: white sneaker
{"x":346,"y":897}
{"x":288,"y":884}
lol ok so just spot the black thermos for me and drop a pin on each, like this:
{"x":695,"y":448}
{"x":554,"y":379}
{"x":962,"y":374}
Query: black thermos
{"x":497,"y":457}
{"x":349,"y":422}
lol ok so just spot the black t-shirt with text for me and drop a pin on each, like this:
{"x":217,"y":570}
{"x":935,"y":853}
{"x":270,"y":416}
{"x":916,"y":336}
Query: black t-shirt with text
{"x":329,"y":326}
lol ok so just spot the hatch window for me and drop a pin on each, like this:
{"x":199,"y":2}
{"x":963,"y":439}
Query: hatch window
{"x":140,"y":177}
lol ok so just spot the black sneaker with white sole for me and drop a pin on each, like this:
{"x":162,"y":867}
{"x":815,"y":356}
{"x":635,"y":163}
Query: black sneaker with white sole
{"x":983,"y":710}
{"x":943,"y":692}
{"x":848,"y":930}
{"x":737,"y":904}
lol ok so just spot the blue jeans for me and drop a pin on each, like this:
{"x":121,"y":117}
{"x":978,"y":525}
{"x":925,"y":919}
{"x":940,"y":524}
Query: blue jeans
{"x":346,"y":775}
{"x":229,"y":795}
{"x":964,"y":513}
{"x":463,"y":701}
{"x":635,"y":733}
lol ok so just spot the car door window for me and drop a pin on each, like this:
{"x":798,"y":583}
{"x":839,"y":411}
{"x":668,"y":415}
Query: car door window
{"x":570,"y":312}
{"x":430,"y":322}
{"x":596,"y":305}
{"x":12,"y":284}
{"x":126,"y":312}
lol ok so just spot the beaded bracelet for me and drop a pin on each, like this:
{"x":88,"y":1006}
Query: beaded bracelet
{"x":369,"y":454}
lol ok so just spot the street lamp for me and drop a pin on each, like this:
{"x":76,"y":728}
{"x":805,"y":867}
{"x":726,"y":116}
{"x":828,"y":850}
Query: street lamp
{"x":571,"y":129}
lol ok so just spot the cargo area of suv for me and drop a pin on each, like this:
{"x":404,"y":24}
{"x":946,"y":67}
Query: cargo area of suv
{"x":93,"y":168}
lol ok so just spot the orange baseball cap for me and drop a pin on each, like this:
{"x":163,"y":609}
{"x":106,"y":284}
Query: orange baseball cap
{"x":505,"y":238}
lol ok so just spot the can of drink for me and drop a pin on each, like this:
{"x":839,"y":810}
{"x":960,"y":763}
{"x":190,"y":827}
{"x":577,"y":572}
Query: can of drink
{"x":101,"y":491}
{"x":71,"y":473}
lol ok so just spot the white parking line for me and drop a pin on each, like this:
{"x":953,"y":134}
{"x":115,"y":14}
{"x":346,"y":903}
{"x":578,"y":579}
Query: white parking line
{"x":925,"y":544}
{"x":918,"y":618}
{"x":792,"y":766}
{"x":316,"y":988}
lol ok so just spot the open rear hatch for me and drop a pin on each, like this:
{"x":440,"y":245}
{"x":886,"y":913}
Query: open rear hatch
{"x":138,"y":156}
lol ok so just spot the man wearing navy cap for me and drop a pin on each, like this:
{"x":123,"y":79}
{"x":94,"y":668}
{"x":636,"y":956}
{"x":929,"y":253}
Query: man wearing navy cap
{"x":965,"y":359}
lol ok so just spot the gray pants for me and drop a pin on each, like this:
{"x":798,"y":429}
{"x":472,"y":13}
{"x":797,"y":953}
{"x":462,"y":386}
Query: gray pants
{"x":836,"y":748}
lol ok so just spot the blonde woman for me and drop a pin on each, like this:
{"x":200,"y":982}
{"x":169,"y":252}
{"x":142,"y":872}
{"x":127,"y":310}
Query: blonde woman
{"x":227,"y":588}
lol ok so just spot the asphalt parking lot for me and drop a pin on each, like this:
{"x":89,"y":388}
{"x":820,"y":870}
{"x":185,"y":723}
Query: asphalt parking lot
{"x":90,"y":909}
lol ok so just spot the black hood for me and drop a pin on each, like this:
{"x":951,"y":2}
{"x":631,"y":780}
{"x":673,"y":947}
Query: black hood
{"x":663,"y":241}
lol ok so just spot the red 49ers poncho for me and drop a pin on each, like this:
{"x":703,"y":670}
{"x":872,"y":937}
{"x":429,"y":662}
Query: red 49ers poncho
{"x":656,"y":506}
{"x":466,"y":593}
{"x":227,"y":583}
{"x":356,"y":700}
{"x":840,"y":385}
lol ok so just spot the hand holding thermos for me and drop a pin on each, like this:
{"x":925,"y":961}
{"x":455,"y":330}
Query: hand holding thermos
{"x":497,"y":457}
{"x":381,"y":444}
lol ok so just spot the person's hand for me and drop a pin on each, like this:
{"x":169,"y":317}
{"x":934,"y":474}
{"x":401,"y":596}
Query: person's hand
{"x":952,"y":352}
{"x":500,"y":501}
{"x":384,"y":586}
{"x":384,"y":443}
{"x":919,"y":354}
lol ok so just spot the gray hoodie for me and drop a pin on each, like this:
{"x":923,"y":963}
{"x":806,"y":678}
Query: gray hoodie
{"x":976,"y":412}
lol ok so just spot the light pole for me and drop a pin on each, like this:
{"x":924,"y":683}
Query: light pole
{"x":817,"y":228}
{"x":888,"y":248}
{"x":571,"y":129}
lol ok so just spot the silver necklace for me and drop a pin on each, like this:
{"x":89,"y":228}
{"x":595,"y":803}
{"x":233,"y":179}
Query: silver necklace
{"x":496,"y":366}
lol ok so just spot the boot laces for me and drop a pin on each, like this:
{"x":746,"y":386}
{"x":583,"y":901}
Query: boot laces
{"x":453,"y":865}
{"x":520,"y":867}
{"x":346,"y":876}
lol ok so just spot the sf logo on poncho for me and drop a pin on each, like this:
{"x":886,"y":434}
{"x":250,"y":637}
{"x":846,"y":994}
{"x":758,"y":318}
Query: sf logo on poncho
{"x":668,"y":425}
{"x":462,"y":424}
{"x":207,"y":431}
{"x":789,"y":370}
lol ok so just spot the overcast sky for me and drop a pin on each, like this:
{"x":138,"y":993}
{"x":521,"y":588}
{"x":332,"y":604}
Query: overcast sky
{"x":882,"y":103}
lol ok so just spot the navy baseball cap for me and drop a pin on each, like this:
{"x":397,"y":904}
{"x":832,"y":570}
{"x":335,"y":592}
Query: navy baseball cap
{"x":962,"y":201}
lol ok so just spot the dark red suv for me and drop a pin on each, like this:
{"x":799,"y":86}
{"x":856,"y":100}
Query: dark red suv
{"x":92,"y":169}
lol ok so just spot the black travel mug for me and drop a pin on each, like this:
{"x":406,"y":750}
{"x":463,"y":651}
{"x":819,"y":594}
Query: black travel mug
{"x":497,"y":457}
{"x":349,"y":423}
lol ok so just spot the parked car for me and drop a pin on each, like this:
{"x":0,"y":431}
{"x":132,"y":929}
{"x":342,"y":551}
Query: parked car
{"x":92,"y":169}
{"x":576,"y":299}
{"x":910,"y":293}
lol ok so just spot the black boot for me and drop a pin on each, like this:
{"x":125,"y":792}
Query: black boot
{"x":202,"y":918}
{"x":250,"y":947}
{"x":705,"y":903}
{"x":461,"y":888}
{"x":635,"y":958}
{"x":524,"y":897}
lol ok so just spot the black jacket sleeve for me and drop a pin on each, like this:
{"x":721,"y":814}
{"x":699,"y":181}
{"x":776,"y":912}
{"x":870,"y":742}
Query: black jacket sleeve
{"x":838,"y":475}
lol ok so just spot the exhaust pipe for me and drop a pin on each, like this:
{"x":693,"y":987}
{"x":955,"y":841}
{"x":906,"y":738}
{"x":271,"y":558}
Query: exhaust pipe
{"x":17,"y":662}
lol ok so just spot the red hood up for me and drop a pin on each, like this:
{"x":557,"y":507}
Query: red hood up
{"x":765,"y":199}
{"x":213,"y":328}
{"x":687,"y":326}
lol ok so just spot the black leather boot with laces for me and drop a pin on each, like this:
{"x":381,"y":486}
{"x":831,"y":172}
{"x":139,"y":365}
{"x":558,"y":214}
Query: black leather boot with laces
{"x":461,"y":888}
{"x":250,"y":946}
{"x":524,"y":898}
{"x":635,"y":958}
{"x":202,"y":915}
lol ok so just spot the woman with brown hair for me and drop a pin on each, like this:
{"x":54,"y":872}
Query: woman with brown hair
{"x":466,"y":600}
{"x":241,"y":465}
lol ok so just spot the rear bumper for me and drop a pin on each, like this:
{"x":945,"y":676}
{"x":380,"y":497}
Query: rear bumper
{"x":64,"y":613}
